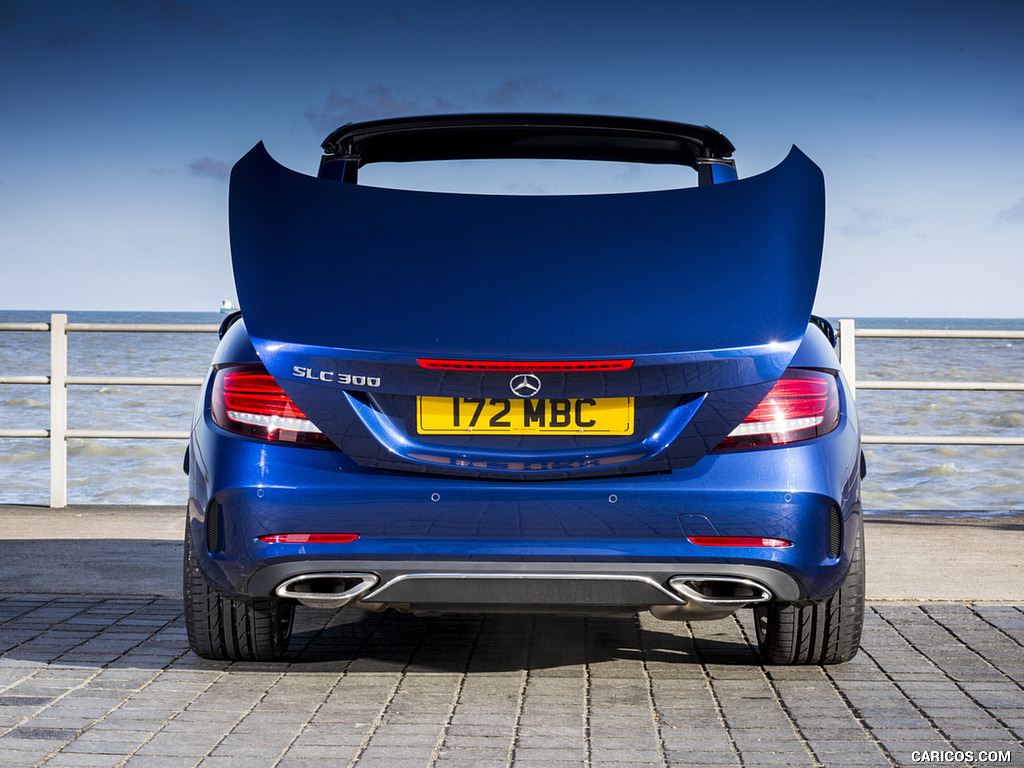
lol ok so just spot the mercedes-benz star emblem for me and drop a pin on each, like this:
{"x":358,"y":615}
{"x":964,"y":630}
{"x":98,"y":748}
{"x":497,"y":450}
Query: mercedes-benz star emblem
{"x":525,"y":384}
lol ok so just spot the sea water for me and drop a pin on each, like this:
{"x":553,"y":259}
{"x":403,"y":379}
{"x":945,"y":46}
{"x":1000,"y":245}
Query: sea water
{"x":113,"y":471}
{"x":942,"y":477}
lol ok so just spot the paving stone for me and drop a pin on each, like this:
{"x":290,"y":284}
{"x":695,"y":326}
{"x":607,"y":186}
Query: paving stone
{"x":82,"y":760}
{"x":390,"y":688}
{"x":158,"y":761}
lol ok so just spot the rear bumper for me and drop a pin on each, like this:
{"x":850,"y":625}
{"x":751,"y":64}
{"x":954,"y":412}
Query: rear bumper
{"x":445,"y":543}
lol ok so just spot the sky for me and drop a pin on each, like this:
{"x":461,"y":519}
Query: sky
{"x":120,"y":121}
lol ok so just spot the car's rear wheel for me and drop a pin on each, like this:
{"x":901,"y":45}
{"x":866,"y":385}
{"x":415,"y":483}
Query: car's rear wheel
{"x":226,"y":628}
{"x":819,"y":633}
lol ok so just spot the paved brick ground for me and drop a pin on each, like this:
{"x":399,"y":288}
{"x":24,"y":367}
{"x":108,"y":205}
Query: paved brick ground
{"x":92,"y":681}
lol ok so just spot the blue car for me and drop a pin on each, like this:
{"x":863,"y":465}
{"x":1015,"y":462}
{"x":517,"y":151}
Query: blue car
{"x":590,"y":404}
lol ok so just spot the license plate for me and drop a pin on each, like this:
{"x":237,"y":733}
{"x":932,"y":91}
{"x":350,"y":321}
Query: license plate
{"x":463,"y":415}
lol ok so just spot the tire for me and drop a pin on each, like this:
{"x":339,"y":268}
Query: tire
{"x":819,"y":633}
{"x":228,"y":629}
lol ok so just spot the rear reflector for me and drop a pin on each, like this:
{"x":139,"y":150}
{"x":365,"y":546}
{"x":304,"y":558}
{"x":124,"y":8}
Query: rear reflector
{"x":247,"y":400}
{"x":309,"y":538}
{"x":521,"y":365}
{"x":738,"y":541}
{"x":804,"y":403}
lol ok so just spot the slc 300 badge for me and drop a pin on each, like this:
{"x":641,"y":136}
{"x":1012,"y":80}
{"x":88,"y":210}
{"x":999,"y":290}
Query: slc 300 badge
{"x":331,"y":377}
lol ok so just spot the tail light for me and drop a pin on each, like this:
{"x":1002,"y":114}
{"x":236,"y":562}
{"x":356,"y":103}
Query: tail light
{"x":536,"y":366}
{"x":803,"y":404}
{"x":247,"y":401}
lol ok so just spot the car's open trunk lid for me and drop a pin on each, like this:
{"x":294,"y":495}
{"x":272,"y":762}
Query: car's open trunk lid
{"x":346,"y":290}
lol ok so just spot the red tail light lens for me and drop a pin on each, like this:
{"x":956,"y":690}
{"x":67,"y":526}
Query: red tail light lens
{"x":803,"y":404}
{"x":248,"y":401}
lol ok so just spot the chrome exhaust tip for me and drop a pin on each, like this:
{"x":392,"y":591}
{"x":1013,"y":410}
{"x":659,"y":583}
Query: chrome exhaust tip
{"x":720,"y":590}
{"x":327,"y":590}
{"x":711,"y":597}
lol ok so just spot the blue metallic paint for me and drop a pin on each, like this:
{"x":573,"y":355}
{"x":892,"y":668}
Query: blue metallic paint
{"x":786,"y":493}
{"x":412,"y":253}
{"x":709,"y":337}
{"x":406,"y":250}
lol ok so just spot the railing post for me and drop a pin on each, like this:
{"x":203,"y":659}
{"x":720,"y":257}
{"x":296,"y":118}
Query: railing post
{"x":848,"y":353}
{"x":58,"y":411}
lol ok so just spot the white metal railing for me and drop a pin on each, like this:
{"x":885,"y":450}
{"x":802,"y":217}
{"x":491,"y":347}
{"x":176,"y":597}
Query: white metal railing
{"x":59,"y":380}
{"x":848,"y":333}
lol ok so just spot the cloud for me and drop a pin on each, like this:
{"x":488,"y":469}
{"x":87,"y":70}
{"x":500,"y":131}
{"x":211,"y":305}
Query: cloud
{"x":214,"y":169}
{"x":74,"y":39}
{"x":182,"y":13}
{"x":523,"y":188}
{"x":859,"y":97}
{"x":377,"y":101}
{"x":381,"y":101}
{"x":1013,"y":215}
{"x":400,"y":18}
{"x":870,"y":222}
{"x":524,"y":91}
{"x":611,"y":100}
{"x":10,"y":11}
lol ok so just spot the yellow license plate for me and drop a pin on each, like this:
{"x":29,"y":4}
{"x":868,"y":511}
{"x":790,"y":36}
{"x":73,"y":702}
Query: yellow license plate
{"x":465,"y":415}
